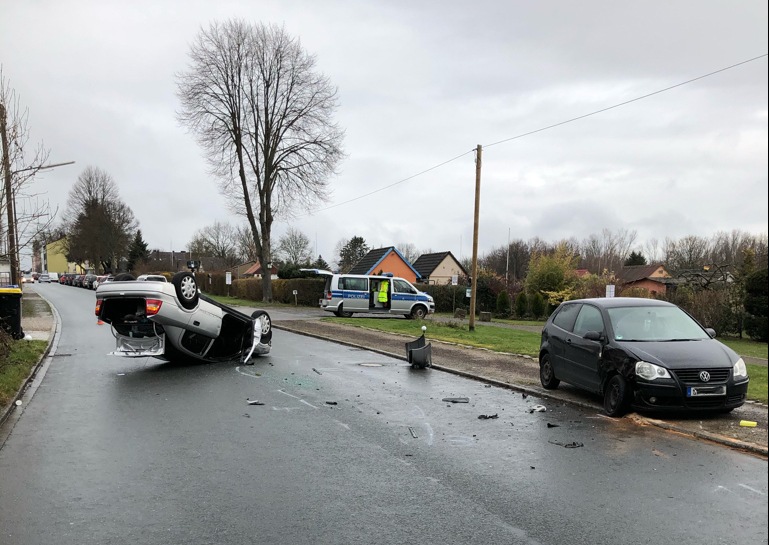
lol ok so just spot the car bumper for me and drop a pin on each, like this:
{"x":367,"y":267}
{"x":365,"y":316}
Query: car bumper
{"x":139,"y":347}
{"x":672,"y":396}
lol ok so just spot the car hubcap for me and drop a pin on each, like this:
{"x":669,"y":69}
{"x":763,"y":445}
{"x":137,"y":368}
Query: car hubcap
{"x":188,"y":288}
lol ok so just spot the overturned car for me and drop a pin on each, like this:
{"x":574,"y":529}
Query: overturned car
{"x":173,"y":320}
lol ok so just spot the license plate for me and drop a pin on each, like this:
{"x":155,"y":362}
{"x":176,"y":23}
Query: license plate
{"x":705,"y":391}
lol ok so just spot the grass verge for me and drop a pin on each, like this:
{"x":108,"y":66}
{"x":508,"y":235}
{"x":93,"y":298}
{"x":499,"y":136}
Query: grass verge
{"x":16,"y":367}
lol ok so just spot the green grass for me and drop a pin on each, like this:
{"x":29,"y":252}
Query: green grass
{"x":526,"y":342}
{"x":745,"y":347}
{"x":15,"y":369}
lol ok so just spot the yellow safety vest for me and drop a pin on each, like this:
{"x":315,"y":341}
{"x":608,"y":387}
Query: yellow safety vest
{"x":383,"y":291}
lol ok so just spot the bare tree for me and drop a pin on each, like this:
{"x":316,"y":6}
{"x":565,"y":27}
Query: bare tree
{"x":99,"y":224}
{"x":408,"y":250}
{"x":294,"y":247}
{"x":263,"y":116}
{"x":218,"y":240}
{"x":25,"y":217}
{"x":245,"y":243}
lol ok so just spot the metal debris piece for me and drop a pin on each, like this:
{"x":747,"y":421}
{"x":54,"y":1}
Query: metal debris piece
{"x":330,"y":402}
{"x":254,"y":402}
{"x":538,"y":409}
{"x":456,"y":399}
{"x":413,"y":433}
{"x":487,"y":416}
{"x":573,"y":444}
{"x":317,"y":371}
{"x":549,"y":425}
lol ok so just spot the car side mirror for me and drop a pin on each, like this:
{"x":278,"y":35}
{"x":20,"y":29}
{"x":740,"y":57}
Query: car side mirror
{"x":593,"y":336}
{"x":710,"y":331}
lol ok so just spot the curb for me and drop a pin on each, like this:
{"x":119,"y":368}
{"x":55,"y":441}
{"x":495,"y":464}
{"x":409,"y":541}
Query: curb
{"x":720,"y":439}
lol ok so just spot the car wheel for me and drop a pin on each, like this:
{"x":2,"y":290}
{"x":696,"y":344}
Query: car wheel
{"x":122,"y":277}
{"x":547,"y":374}
{"x":342,"y":314}
{"x":615,"y":396}
{"x":265,"y":325}
{"x":418,"y":312}
{"x":186,"y":289}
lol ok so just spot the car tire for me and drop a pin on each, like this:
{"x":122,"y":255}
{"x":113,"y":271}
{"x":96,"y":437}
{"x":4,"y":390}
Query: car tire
{"x":547,"y":374}
{"x":418,"y":312}
{"x":262,"y":316}
{"x":123,"y":277}
{"x":186,"y":289}
{"x":341,"y":313}
{"x":615,"y":396}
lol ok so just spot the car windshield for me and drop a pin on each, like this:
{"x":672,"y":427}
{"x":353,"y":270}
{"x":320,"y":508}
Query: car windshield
{"x":654,"y":324}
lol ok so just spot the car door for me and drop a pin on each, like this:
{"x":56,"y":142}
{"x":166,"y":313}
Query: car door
{"x":402,"y":295}
{"x":583,"y":355}
{"x":558,"y":332}
{"x":355,"y":293}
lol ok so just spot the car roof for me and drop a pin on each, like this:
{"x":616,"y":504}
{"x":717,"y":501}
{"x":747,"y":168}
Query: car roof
{"x":615,"y":302}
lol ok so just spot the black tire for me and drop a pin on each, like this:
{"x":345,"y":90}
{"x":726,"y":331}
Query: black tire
{"x":418,"y":312}
{"x":547,"y":374}
{"x":123,"y":277}
{"x":266,"y":335}
{"x":186,"y":289}
{"x":615,"y":397}
{"x":342,"y":314}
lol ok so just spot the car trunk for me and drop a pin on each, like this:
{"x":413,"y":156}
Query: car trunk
{"x":128,"y":315}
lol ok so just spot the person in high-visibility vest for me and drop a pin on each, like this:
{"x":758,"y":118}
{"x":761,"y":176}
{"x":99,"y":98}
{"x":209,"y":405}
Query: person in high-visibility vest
{"x":384,"y":292}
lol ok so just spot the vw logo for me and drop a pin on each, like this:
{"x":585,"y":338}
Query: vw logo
{"x":704,"y":376}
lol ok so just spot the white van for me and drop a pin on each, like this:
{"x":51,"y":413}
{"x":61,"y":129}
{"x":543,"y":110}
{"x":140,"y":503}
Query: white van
{"x":345,"y":294}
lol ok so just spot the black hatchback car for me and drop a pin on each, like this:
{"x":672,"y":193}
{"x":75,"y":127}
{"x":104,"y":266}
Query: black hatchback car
{"x":640,"y":353}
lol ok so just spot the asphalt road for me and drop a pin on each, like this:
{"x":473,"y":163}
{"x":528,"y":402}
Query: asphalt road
{"x":350,"y":446}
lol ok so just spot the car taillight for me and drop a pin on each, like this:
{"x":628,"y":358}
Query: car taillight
{"x":153,"y":306}
{"x":328,"y":295}
{"x":98,"y":306}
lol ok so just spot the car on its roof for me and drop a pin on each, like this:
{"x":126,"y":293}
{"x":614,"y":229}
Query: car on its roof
{"x":173,"y":320}
{"x":641,"y":353}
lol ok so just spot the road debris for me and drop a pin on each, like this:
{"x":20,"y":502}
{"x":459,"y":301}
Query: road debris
{"x":748,"y":424}
{"x":538,"y":409}
{"x":549,"y":425}
{"x":456,"y":399}
{"x":413,"y":433}
{"x":254,"y":402}
{"x":524,"y":395}
{"x":330,"y":402}
{"x":573,"y":444}
{"x":487,"y":416}
{"x":317,"y":371}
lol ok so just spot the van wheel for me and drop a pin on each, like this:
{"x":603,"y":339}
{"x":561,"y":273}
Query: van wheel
{"x":615,"y":396}
{"x":419,"y":312}
{"x":341,"y":313}
{"x":546,"y":373}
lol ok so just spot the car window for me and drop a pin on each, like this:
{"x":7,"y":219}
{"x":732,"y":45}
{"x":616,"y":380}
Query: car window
{"x":588,"y":319}
{"x":566,"y":315}
{"x":402,"y":286}
{"x":654,"y":324}
{"x":355,"y":284}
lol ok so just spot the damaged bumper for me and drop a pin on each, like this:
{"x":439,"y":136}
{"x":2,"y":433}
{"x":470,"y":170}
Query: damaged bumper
{"x":139,"y":347}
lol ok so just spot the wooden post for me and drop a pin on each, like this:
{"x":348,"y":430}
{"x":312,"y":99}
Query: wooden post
{"x":474,"y":281}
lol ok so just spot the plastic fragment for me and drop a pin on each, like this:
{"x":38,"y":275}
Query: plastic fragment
{"x":538,"y":409}
{"x":456,"y":399}
{"x":254,"y":402}
{"x":748,"y":424}
{"x":487,"y":416}
{"x":549,"y":425}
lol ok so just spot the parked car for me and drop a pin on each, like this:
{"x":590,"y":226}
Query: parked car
{"x":152,"y":278}
{"x":640,"y":353}
{"x":77,"y":280}
{"x":101,"y":279}
{"x":44,"y":278}
{"x":173,"y":320}
{"x":88,"y":280}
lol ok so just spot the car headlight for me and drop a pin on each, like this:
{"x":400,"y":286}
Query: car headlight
{"x":649,"y":371}
{"x":740,"y":370}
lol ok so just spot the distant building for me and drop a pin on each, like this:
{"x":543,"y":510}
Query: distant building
{"x":439,"y":268}
{"x":386,"y":260}
{"x":652,"y":278}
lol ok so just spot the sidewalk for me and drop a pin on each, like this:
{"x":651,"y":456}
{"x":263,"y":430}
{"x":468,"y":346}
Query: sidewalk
{"x":520,"y":373}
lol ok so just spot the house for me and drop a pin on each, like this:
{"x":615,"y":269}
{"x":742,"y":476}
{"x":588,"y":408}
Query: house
{"x":439,"y":268}
{"x":652,"y":278}
{"x":255,"y":271}
{"x":386,"y":260}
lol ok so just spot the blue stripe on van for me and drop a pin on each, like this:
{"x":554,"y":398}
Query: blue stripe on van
{"x":346,"y":294}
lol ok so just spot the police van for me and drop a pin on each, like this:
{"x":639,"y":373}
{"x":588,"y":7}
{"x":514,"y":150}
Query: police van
{"x":345,"y":294}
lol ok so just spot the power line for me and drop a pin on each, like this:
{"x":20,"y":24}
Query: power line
{"x":596,"y":112}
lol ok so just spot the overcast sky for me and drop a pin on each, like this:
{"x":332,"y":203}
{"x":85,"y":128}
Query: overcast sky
{"x":419,"y":83}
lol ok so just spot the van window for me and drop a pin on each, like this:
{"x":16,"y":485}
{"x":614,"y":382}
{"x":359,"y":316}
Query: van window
{"x":353,"y":284}
{"x":403,"y":287}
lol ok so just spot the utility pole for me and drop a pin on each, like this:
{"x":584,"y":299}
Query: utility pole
{"x":9,"y":200}
{"x":474,"y":282}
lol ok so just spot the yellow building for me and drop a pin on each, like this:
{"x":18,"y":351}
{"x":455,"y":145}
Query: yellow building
{"x":55,"y":259}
